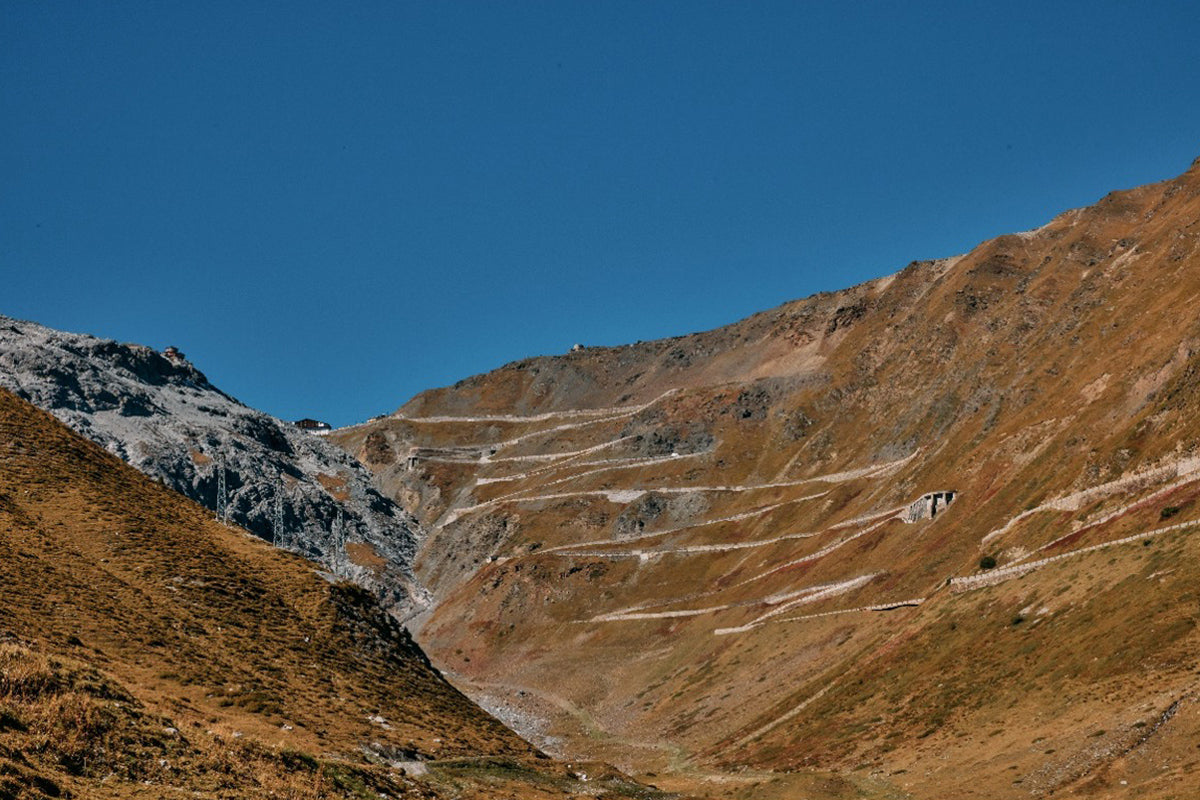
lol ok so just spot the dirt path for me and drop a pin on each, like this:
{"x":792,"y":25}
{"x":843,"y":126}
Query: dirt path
{"x":548,"y":415}
{"x":1076,"y":500}
{"x":600,"y":466}
{"x":667,"y":531}
{"x":629,"y":495}
{"x":1001,"y":574}
{"x":813,"y":596}
{"x":785,"y":601}
{"x":824,"y":551}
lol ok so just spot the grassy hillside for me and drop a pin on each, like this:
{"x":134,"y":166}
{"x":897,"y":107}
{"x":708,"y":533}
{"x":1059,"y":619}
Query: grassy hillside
{"x":687,"y":554}
{"x":147,"y":651}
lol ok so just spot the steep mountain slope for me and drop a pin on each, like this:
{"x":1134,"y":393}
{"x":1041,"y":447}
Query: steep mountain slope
{"x":935,"y":529}
{"x":147,"y":650}
{"x":161,"y":414}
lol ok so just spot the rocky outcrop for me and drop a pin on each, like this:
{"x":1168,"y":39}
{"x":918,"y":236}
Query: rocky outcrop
{"x":163,"y":416}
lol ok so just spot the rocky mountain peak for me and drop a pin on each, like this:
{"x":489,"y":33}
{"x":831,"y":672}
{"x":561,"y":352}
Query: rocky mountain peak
{"x":162,"y":415}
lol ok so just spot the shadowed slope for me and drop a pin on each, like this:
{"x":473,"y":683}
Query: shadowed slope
{"x":145,"y":648}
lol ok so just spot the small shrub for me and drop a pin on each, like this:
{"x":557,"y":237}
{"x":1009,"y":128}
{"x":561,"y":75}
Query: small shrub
{"x":297,"y":760}
{"x":987,"y":562}
{"x":1169,"y":512}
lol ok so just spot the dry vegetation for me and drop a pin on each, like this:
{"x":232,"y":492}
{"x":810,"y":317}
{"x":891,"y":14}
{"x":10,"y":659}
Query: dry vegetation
{"x":1036,"y":366}
{"x":147,"y":651}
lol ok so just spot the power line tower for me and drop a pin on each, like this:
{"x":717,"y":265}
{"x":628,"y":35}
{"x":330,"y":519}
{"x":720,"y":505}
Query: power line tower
{"x":222,"y":495}
{"x":277,"y":532}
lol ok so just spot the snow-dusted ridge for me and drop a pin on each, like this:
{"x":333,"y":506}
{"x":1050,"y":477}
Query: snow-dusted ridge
{"x":162,"y":416}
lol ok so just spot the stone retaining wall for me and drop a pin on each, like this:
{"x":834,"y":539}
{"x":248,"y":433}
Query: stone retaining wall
{"x":995,"y":576}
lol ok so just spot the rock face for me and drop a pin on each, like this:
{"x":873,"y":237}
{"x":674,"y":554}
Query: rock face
{"x":148,"y":651}
{"x":161,"y":415}
{"x":737,"y":546}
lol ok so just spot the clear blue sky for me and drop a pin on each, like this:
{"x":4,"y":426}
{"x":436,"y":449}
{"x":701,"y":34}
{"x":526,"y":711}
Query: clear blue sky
{"x":330,"y":209}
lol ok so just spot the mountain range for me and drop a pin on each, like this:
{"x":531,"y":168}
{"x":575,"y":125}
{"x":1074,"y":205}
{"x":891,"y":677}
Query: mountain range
{"x":929,"y":536}
{"x":935,"y":530}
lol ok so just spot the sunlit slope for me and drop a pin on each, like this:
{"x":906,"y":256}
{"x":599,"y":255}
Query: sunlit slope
{"x":663,"y":551}
{"x":159,"y":413}
{"x":146,"y":650}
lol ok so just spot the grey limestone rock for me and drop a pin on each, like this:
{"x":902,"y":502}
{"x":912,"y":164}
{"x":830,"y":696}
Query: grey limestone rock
{"x":160,"y":414}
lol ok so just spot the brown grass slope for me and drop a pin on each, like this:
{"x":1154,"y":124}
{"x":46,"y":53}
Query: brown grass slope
{"x":689,"y":549}
{"x":146,"y":650}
